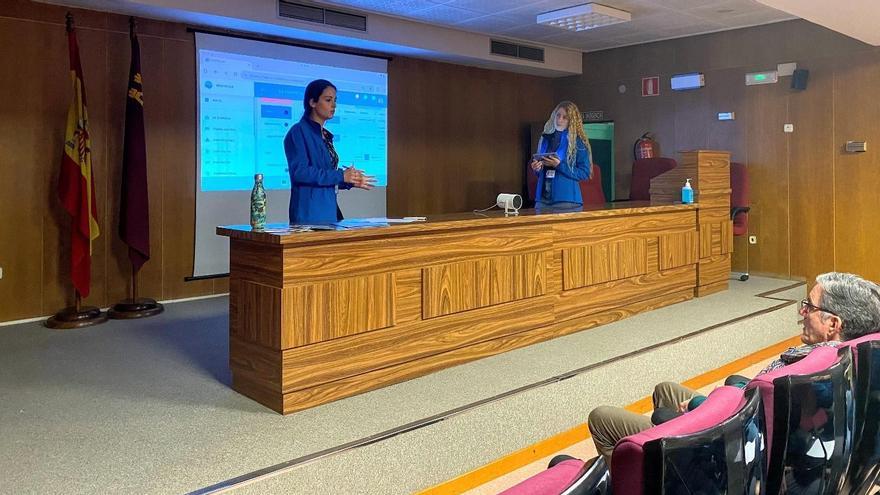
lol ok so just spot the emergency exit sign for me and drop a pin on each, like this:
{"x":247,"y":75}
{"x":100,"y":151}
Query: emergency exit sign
{"x":651,"y":86}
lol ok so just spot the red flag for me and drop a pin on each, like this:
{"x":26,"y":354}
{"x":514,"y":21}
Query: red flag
{"x":76,"y":185}
{"x":134,"y":209}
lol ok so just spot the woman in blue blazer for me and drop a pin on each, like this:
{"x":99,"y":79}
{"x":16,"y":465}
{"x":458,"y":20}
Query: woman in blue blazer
{"x":558,"y":176}
{"x":313,"y":163}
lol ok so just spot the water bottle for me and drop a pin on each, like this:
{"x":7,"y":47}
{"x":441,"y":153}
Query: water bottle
{"x":258,"y":204}
{"x":687,"y":193}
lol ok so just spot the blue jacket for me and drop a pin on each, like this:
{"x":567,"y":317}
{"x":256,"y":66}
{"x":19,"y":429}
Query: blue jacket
{"x":313,"y":178}
{"x":565,"y":184}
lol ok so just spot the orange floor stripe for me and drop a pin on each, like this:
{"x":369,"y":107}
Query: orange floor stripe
{"x":560,"y":441}
{"x":728,"y":369}
{"x":510,"y":462}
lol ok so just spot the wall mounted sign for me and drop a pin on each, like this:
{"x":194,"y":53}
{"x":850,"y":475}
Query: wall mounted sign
{"x":593,"y":115}
{"x":651,"y":86}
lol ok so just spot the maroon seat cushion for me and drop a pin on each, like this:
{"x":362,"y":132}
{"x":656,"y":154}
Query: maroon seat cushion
{"x":864,"y":338}
{"x":549,"y":481}
{"x":643,"y":171}
{"x":591,"y":189}
{"x":739,"y":196}
{"x":627,"y":461}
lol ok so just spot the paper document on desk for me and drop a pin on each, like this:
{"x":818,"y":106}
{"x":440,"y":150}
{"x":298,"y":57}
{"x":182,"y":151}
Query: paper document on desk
{"x":389,"y":220}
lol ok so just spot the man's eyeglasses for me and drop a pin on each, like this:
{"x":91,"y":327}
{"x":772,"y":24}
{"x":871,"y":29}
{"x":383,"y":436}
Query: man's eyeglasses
{"x":806,"y":307}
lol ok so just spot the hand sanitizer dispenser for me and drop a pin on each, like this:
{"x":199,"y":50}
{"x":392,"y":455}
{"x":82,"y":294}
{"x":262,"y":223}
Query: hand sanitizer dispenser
{"x":687,"y":193}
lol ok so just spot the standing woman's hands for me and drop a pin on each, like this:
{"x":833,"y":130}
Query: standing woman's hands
{"x":357,"y":178}
{"x":536,"y":165}
{"x":551,"y":161}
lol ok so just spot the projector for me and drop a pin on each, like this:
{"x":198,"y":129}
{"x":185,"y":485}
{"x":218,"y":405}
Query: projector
{"x":510,"y":202}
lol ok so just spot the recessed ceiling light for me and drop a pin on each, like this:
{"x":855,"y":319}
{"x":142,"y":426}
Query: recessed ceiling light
{"x":583,"y":17}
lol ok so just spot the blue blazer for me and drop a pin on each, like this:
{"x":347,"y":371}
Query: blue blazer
{"x":313,"y":178}
{"x":565,"y":184}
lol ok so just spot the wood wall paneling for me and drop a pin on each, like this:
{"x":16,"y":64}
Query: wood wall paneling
{"x":23,"y":187}
{"x":856,"y":178}
{"x":769,"y":179}
{"x":791,"y":174}
{"x":460,"y":129}
{"x":811,"y":164}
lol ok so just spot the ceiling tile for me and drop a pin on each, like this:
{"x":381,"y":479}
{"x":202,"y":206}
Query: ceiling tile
{"x":652,"y":19}
{"x":491,"y":24}
{"x":444,"y":14}
{"x":395,"y":7}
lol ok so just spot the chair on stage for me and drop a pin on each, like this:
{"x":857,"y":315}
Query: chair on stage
{"x":739,"y":205}
{"x":643,"y":170}
{"x":809,"y":415}
{"x":591,"y":189}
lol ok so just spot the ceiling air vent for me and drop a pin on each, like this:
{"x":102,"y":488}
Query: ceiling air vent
{"x":509,"y":49}
{"x":320,"y":15}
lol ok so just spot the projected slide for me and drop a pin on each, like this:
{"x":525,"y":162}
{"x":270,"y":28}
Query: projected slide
{"x":247,"y":104}
{"x":249,"y":94}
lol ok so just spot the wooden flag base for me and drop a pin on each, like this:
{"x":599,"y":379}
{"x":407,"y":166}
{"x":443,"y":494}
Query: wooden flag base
{"x":142,"y":307}
{"x":70,"y":317}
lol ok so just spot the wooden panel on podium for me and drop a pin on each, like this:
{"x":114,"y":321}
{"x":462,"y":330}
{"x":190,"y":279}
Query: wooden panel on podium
{"x":407,"y":296}
{"x":337,"y":308}
{"x":709,"y":172}
{"x":677,"y":249}
{"x":456,"y":287}
{"x":318,"y":316}
{"x":604,"y":262}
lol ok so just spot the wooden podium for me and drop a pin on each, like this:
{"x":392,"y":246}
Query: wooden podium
{"x":318,"y":316}
{"x":709,"y":172}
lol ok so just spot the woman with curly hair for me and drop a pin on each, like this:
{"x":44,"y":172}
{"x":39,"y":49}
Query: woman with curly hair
{"x":566,"y":161}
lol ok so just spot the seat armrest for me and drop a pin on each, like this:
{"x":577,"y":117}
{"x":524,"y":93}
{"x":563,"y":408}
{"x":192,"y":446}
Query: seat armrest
{"x":736,"y":210}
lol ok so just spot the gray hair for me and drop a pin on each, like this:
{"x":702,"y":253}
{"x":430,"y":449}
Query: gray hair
{"x":854,"y":300}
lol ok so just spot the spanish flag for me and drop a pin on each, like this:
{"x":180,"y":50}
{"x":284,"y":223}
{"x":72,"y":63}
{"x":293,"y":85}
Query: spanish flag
{"x":76,"y":187}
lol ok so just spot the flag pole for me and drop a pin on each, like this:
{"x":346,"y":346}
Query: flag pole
{"x":134,"y":206}
{"x":75,"y":316}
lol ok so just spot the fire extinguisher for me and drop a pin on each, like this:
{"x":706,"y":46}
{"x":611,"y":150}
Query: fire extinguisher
{"x":644,"y":146}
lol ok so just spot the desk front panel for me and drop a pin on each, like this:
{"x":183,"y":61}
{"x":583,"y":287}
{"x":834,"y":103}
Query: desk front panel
{"x":316,"y":323}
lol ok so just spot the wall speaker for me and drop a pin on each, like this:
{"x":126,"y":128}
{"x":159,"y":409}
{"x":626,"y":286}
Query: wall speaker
{"x":799,"y":79}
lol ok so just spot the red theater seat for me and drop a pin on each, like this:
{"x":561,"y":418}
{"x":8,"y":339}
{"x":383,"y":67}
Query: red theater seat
{"x":643,"y":171}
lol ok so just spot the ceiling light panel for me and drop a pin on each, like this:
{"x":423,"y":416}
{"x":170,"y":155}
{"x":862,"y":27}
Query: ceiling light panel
{"x":583,"y":17}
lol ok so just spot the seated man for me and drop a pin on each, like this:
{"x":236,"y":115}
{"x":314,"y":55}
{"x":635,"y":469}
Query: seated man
{"x":840,"y":306}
